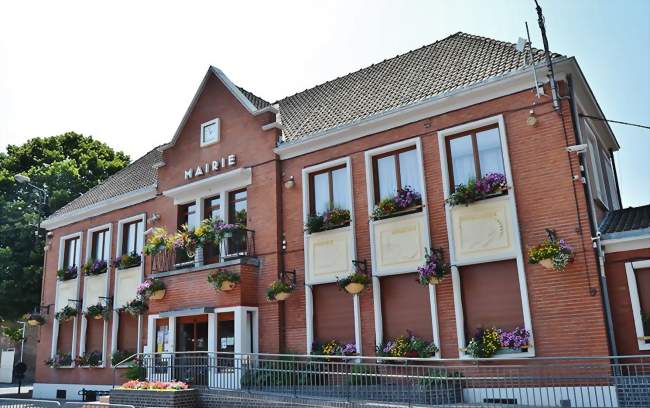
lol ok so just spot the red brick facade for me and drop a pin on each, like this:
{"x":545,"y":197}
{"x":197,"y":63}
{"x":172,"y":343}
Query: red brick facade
{"x":567,"y":312}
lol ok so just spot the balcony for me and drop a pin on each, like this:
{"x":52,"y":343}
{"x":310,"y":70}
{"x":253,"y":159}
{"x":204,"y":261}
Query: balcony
{"x":239,"y":244}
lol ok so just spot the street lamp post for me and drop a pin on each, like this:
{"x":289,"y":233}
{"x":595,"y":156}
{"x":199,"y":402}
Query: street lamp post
{"x":22,"y":342}
{"x":41,"y":192}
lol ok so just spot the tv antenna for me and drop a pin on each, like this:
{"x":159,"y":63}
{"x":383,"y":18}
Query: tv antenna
{"x":521,"y":47}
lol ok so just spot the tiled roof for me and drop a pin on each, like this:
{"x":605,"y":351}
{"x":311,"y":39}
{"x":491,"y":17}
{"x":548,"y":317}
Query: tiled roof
{"x":626,"y":220}
{"x":258,"y":102}
{"x":139,"y":174}
{"x":456,"y":61}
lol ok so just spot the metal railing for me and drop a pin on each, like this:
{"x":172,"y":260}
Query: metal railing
{"x":575,"y":381}
{"x":238,"y":243}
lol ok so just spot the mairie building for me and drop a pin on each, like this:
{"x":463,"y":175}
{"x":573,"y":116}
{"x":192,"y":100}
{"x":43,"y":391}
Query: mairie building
{"x":361,"y":174}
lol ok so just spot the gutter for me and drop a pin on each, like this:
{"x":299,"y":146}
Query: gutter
{"x":593,"y":227}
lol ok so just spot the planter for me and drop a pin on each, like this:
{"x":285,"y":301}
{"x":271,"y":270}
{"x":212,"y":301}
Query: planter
{"x":227,"y":286}
{"x":354,"y":288}
{"x":146,"y":398}
{"x":282,"y":295}
{"x":32,"y":322}
{"x":434,"y":280}
{"x":547,"y":263}
{"x":157,"y":295}
{"x":98,"y":317}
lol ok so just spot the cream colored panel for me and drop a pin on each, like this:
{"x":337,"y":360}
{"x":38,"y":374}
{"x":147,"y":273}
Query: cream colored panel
{"x":330,"y":255}
{"x":67,"y":290}
{"x":399,"y":244}
{"x":94,"y":287}
{"x":127,"y":282}
{"x":482,"y":230}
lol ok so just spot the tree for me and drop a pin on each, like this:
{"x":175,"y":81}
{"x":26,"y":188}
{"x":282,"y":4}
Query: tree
{"x":68,"y":165}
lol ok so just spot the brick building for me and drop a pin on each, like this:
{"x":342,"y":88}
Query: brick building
{"x":430,"y":119}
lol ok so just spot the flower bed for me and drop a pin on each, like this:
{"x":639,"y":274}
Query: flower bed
{"x":154,"y":385}
{"x":434,"y":268}
{"x":487,"y":186}
{"x":406,"y":200}
{"x":407,"y":346}
{"x":144,"y":398}
{"x":330,"y":219}
{"x":488,"y":342}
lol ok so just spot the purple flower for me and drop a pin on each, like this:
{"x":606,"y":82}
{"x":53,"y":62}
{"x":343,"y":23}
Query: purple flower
{"x":389,"y":346}
{"x":349,"y":349}
{"x":564,"y":247}
{"x":515,"y":339}
{"x":491,"y":183}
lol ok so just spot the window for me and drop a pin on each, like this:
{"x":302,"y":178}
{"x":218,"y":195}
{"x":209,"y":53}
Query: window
{"x":638,"y":283}
{"x":329,"y":189}
{"x":131,"y":242}
{"x":187,"y":215}
{"x":100,"y":245}
{"x":394,"y":171}
{"x":210,"y":132}
{"x":71,"y":251}
{"x":237,"y":207}
{"x":474,"y":154}
{"x":212,"y":207}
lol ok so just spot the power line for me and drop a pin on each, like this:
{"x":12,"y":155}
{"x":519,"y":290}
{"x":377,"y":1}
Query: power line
{"x":614,"y":121}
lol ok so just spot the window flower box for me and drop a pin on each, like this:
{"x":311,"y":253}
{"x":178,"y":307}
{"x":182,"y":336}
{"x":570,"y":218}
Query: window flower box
{"x":59,"y":360}
{"x":334,"y":348}
{"x":490,"y":185}
{"x":127,"y":261}
{"x":489,"y":342}
{"x":89,"y":360}
{"x":67,"y":273}
{"x":96,"y":267}
{"x":407,"y":346}
{"x":330,"y":219}
{"x":406,"y":201}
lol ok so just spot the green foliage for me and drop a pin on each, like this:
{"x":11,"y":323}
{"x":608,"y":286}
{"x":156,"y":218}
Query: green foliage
{"x":277,"y":287}
{"x":333,"y":218}
{"x":135,"y":371}
{"x":67,"y":313}
{"x":218,"y":278}
{"x":69,"y":165}
{"x":14,"y":334}
{"x":356,"y":277}
{"x":362,"y":374}
{"x":98,"y":310}
{"x":92,"y":359}
{"x":120,"y":355}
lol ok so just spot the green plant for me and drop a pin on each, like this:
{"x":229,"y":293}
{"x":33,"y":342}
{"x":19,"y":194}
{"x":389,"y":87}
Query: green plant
{"x":356,"y":277}
{"x":135,"y":371}
{"x":407,"y":346}
{"x":158,"y":242}
{"x":15,"y":334}
{"x":363,"y":375}
{"x":474,"y":190}
{"x":218,"y":278}
{"x":67,"y":313}
{"x":59,"y":360}
{"x":645,"y":319}
{"x":404,"y":199}
{"x":330,"y":219}
{"x":149,"y":287}
{"x":98,"y":310}
{"x":67,"y":273}
{"x":484,"y":344}
{"x":434,"y":267}
{"x":314,"y":224}
{"x":119,"y":356}
{"x":278,"y":287}
{"x":97,"y":267}
{"x":439,"y":378}
{"x":136,"y":307}
{"x":558,"y":251}
{"x":92,"y":359}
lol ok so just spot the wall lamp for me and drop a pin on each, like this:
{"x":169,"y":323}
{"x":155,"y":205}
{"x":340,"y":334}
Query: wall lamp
{"x":290,"y":183}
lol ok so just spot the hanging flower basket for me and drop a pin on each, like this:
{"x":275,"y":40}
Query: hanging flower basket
{"x":66,"y":314}
{"x":434,"y":269}
{"x":151,"y":289}
{"x":98,"y":312}
{"x":34,"y":319}
{"x":354,"y":283}
{"x":551,"y":253}
{"x":136,"y":307}
{"x":279,"y":290}
{"x":223,"y":280}
{"x":547,"y":263}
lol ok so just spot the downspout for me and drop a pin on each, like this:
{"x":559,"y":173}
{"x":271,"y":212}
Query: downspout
{"x":598,"y":250}
{"x":279,"y":248}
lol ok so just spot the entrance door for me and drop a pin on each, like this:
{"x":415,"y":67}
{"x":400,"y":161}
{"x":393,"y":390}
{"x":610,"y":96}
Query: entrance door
{"x":191,"y":365}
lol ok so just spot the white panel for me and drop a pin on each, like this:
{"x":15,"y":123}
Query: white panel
{"x":482,"y":231}
{"x":399,"y":243}
{"x":94,"y":287}
{"x":329,"y":255}
{"x":67,"y":290}
{"x":127,"y":283}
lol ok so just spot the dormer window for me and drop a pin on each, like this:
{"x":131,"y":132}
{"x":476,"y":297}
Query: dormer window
{"x":210,"y":132}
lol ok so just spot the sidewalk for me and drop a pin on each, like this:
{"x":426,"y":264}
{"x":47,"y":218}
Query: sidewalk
{"x":11,"y":390}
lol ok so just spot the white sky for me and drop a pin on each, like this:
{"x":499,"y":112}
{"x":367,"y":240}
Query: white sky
{"x":125,"y":72}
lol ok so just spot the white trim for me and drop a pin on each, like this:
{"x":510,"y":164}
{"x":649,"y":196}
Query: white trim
{"x":306,"y":207}
{"x":56,"y":323}
{"x":107,"y":278}
{"x":309,"y":318}
{"x":376,"y":308}
{"x":102,"y":207}
{"x":626,"y":243}
{"x":521,"y":272}
{"x":273,"y":125}
{"x":203,"y":143}
{"x":635,"y":300}
{"x":357,"y":323}
{"x":115,"y":331}
{"x":231,"y":180}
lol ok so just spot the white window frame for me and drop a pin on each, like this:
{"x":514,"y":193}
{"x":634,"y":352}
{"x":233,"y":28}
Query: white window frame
{"x":56,"y":324}
{"x":84,"y":321}
{"x":309,"y":297}
{"x":518,"y":257}
{"x":376,"y":283}
{"x":206,"y":124}
{"x":118,"y":250}
{"x":595,"y":166}
{"x":635,"y":300}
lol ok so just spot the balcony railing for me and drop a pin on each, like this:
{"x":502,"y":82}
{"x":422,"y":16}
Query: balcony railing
{"x":555,"y":382}
{"x":237,"y":244}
